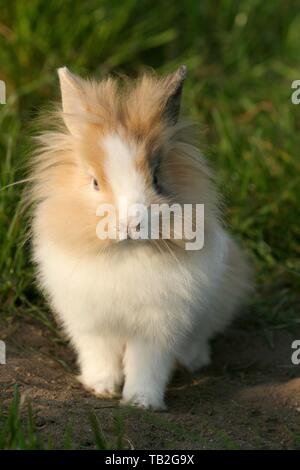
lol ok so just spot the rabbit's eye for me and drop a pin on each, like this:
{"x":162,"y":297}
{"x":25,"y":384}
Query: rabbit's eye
{"x":155,"y":181}
{"x":95,"y":184}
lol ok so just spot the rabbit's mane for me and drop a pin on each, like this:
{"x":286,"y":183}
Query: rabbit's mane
{"x":135,"y":106}
{"x":134,"y":110}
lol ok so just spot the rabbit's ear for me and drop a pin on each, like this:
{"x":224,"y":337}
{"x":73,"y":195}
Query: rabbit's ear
{"x":174,"y":86}
{"x":73,"y":101}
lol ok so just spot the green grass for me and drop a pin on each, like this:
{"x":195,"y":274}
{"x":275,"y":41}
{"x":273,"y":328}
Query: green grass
{"x":242,"y":57}
{"x":19,"y":432}
{"x":180,"y":432}
{"x":13,"y":435}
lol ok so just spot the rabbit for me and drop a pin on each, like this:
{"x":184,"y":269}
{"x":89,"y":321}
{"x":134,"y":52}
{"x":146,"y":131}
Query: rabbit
{"x":131,"y":308}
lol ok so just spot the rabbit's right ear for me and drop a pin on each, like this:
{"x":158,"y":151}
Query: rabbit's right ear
{"x":73,"y":100}
{"x":174,"y":85}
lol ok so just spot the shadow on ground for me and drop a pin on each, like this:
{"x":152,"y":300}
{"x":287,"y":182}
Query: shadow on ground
{"x":249,"y":397}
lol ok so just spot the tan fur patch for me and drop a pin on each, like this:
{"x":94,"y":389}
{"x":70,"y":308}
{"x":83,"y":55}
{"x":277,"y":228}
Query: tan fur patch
{"x":61,"y":165}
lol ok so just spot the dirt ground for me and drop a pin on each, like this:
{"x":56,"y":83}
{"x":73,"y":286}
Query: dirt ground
{"x":248,"y":398}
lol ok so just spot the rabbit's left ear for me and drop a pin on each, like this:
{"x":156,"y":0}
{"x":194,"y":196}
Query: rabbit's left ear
{"x":174,"y":85}
{"x":73,"y":100}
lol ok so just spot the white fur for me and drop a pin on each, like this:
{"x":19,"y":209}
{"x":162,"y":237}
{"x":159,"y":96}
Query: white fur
{"x":132,"y":312}
{"x":127,"y":184}
{"x":120,"y":170}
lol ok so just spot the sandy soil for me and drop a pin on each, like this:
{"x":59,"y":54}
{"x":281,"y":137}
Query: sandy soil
{"x":248,"y":398}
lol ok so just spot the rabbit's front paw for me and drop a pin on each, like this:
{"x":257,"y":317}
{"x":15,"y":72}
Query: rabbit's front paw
{"x":195,"y":363}
{"x":106,"y":386}
{"x":195,"y":355}
{"x":144,"y":400}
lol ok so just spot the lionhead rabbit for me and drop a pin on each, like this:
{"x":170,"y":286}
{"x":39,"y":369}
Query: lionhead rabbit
{"x":131,"y":308}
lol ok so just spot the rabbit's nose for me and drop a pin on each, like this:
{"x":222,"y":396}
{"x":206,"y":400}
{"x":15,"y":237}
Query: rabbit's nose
{"x":129,"y":229}
{"x":133,"y":228}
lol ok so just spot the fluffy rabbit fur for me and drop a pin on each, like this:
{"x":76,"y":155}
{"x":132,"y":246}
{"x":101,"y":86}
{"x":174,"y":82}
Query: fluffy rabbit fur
{"x":131,"y":309}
